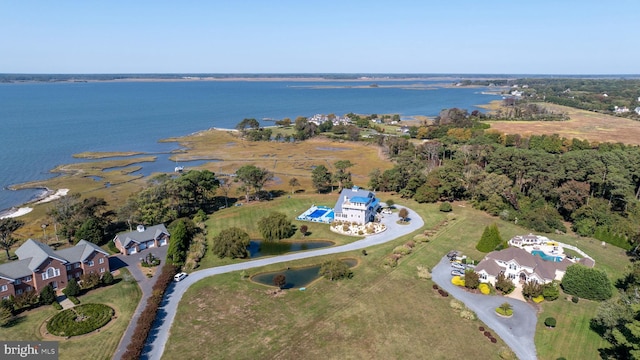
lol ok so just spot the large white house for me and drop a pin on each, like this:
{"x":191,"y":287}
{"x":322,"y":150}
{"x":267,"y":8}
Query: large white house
{"x":356,"y":205}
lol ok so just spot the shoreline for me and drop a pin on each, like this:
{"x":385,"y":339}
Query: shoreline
{"x":48,"y":196}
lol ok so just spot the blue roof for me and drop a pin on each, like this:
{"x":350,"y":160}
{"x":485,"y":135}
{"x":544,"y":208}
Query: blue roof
{"x":359,"y":199}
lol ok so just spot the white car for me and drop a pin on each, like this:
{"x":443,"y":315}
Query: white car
{"x":180,"y":276}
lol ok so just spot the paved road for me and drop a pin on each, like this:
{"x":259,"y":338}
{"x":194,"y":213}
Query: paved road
{"x":166,"y":314}
{"x":146,"y":284}
{"x":518,"y":331}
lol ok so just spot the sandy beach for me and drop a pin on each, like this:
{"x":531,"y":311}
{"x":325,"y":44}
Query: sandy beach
{"x":23,"y":210}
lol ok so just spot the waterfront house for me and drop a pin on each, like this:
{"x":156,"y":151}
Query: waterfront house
{"x":38,"y":265}
{"x":356,"y":205}
{"x":133,"y":242}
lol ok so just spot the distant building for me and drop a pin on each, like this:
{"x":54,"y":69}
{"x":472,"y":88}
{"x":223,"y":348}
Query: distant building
{"x":356,"y":205}
{"x":38,"y":265}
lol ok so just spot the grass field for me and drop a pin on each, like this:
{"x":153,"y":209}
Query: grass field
{"x":380,"y":313}
{"x":583,"y":124}
{"x":122,"y":296}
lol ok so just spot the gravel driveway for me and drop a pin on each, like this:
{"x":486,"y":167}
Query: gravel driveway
{"x":518,"y":331}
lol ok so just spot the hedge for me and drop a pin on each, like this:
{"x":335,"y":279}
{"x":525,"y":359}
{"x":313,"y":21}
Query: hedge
{"x":484,"y":288}
{"x":80,"y":320}
{"x":148,"y":315}
{"x":457,"y":280}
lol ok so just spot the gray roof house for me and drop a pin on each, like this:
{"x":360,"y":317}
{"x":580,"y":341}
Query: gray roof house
{"x":38,"y":265}
{"x":143,"y":237}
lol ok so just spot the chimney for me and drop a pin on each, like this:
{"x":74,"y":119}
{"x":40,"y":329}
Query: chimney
{"x":140,"y":228}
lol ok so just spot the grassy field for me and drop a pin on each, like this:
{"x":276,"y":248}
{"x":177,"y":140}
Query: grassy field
{"x":380,"y":313}
{"x":583,"y":124}
{"x":122,"y":296}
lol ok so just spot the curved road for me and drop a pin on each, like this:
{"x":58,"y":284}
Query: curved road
{"x":518,"y":331}
{"x":167,"y":311}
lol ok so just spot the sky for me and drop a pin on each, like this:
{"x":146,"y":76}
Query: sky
{"x":308,"y":36}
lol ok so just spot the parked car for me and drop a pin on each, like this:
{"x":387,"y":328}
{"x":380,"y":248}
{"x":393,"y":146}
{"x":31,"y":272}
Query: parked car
{"x":458,"y":266}
{"x":457,"y":273}
{"x":180,"y":276}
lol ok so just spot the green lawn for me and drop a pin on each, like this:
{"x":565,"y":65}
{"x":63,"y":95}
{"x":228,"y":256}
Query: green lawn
{"x":381,"y":312}
{"x":122,"y":296}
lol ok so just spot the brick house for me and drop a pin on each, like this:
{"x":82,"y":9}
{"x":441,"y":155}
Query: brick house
{"x":133,"y":242}
{"x":38,"y":265}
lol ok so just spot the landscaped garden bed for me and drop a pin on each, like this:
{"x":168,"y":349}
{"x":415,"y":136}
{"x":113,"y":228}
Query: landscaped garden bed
{"x":79,"y":320}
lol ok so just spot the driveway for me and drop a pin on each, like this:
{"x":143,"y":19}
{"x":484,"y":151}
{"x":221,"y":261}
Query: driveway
{"x":517,"y":331}
{"x":146,"y":284}
{"x":167,"y":312}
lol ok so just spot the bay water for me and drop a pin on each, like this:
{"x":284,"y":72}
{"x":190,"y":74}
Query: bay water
{"x":43,"y":124}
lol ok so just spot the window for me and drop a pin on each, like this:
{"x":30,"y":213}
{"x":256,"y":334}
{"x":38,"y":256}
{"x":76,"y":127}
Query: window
{"x":4,"y":288}
{"x":27,"y":279}
{"x":69,"y":277}
{"x":19,"y":292}
{"x":18,"y":282}
{"x":102,"y":270}
{"x":50,"y":273}
{"x":91,"y":263}
{"x":76,"y":265}
{"x":29,"y":288}
{"x":68,"y":267}
{"x":101,"y":261}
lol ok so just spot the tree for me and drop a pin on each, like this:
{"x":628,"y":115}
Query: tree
{"x":279,"y":280}
{"x":72,"y":288}
{"x":550,"y":322}
{"x":107,"y":278}
{"x":531,"y":289}
{"x":275,"y":226}
{"x":586,"y":283}
{"x":504,"y":284}
{"x":91,"y":230}
{"x":303,"y":230}
{"x":248,"y":123}
{"x":335,"y":270}
{"x":231,"y":242}
{"x":341,"y":175}
{"x":490,"y":239}
{"x":47,"y":295}
{"x":7,"y":227}
{"x":471,"y":279}
{"x":179,"y":243}
{"x":403,"y":214}
{"x":253,"y":177}
{"x":293,"y":182}
{"x":551,"y":291}
{"x":321,"y":178}
{"x":6,"y":315}
{"x":89,"y":281}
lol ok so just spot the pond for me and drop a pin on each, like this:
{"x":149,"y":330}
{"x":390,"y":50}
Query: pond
{"x":259,"y":248}
{"x":297,"y":277}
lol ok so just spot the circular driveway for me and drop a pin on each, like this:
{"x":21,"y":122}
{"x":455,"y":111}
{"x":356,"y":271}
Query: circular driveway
{"x":167,"y":311}
{"x":517,"y":331}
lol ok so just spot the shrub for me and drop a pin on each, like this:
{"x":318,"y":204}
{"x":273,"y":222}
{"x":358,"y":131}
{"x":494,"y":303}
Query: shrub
{"x":481,"y":328}
{"x":471,"y":279}
{"x":89,"y":281}
{"x":402,"y":250}
{"x":504,"y":284}
{"x":72,"y":288}
{"x":335,"y":270}
{"x":538,"y":299}
{"x":551,"y":291}
{"x":456,"y":305}
{"x":107,"y":278}
{"x":575,"y":299}
{"x":507,"y":354}
{"x":80,"y":320}
{"x":74,"y":300}
{"x":56,"y":305}
{"x":446,"y":207}
{"x":435,"y":287}
{"x":494,"y":340}
{"x":484,"y":288}
{"x":505,"y":309}
{"x":279,"y":280}
{"x":550,"y":322}
{"x":586,"y":283}
{"x":6,"y":315}
{"x":487,"y":334}
{"x":423,"y":272}
{"x":457,"y":281}
{"x":468,"y":314}
{"x":391,"y":260}
{"x":364,"y":252}
{"x":275,"y":226}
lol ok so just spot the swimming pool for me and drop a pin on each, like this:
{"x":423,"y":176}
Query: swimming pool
{"x":323,"y":214}
{"x":546,"y":257}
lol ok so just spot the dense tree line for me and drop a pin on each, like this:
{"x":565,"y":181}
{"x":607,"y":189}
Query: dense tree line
{"x":538,"y":181}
